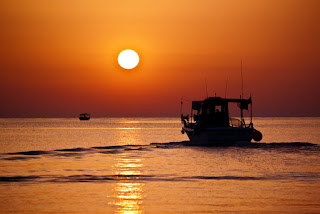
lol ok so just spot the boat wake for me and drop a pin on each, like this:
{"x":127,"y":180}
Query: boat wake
{"x":79,"y":152}
{"x":116,"y":178}
{"x":84,"y":175}
{"x":104,"y":178}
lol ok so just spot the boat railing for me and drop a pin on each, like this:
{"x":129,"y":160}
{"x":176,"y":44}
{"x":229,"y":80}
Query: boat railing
{"x":233,"y":122}
{"x":184,"y":119}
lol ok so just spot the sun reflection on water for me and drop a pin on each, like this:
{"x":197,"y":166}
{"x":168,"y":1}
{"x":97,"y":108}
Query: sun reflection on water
{"x":129,"y":193}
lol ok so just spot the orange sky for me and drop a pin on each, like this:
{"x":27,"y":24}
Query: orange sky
{"x":59,"y":58}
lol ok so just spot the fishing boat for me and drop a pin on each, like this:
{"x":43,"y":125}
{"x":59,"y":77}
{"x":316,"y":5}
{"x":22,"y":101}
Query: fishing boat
{"x":211,"y":124}
{"x":84,"y":116}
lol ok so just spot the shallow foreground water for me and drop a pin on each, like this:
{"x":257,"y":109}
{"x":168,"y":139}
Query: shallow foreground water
{"x":144,"y":165}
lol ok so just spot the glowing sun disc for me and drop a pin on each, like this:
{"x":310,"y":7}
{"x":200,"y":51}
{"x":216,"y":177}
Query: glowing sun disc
{"x":128,"y":59}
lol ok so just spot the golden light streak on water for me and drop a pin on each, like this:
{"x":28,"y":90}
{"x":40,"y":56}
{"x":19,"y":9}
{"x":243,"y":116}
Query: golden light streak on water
{"x":129,"y":198}
{"x":129,"y":193}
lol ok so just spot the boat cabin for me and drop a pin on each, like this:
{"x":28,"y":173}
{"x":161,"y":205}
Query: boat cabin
{"x":84,"y":116}
{"x":214,"y":112}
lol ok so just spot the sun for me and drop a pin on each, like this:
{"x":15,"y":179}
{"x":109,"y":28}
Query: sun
{"x":128,"y":59}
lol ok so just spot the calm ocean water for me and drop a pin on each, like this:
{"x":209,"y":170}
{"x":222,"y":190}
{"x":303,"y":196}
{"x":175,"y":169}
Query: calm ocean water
{"x":144,"y":165}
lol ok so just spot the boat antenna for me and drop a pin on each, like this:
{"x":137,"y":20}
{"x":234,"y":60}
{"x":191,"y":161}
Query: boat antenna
{"x":205,"y":80}
{"x":251,"y":111}
{"x":241,"y":81}
{"x":225,"y":93}
{"x":181,"y":103}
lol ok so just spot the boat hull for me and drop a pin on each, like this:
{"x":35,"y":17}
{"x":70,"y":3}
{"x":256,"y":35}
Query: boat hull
{"x":219,"y":135}
{"x":86,"y":118}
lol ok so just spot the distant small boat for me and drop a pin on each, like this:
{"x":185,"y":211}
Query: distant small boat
{"x":84,"y":116}
{"x":212,"y":124}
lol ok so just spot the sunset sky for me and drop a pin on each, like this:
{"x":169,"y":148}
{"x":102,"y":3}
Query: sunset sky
{"x":59,"y":58}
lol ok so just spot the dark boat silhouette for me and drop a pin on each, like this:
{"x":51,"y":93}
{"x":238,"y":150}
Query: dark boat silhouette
{"x":212,"y":124}
{"x":84,"y":116}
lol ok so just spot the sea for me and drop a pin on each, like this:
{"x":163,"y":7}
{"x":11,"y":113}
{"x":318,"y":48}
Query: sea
{"x":146,"y":165}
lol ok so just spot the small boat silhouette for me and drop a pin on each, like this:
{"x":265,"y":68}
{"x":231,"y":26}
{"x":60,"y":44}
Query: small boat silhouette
{"x":84,"y":116}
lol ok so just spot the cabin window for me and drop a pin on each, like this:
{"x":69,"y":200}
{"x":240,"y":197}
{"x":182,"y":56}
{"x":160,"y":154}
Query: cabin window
{"x":217,"y":108}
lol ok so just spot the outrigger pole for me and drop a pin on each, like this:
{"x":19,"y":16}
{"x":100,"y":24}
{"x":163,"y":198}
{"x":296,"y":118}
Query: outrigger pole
{"x":206,"y":87}
{"x":241,"y":80}
{"x":241,"y":97}
{"x":181,"y":106}
{"x":251,"y":111}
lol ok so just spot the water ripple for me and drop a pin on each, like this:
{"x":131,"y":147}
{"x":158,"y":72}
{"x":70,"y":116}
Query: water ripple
{"x":109,"y":150}
{"x":142,"y":178}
